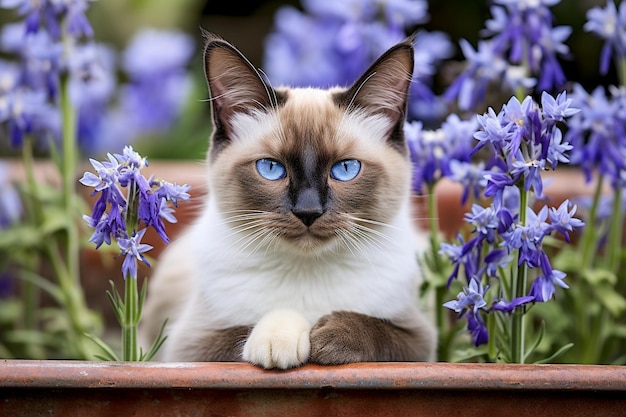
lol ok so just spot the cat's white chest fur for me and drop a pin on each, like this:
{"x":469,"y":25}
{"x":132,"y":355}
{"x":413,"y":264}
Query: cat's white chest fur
{"x":376,"y":278}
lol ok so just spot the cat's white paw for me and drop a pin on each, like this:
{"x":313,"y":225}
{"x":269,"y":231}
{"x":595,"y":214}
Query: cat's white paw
{"x":279,"y":340}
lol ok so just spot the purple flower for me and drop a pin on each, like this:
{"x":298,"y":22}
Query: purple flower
{"x":542,"y":288}
{"x":598,"y":132}
{"x":508,"y":306}
{"x":477,"y":329}
{"x":145,"y":205}
{"x":562,"y":219}
{"x":432,"y":151}
{"x":132,"y":249}
{"x":470,"y":176}
{"x":559,"y":108}
{"x":49,"y":13}
{"x":26,"y":112}
{"x":331,"y":43}
{"x":609,"y":24}
{"x":484,"y":220}
{"x":528,"y":238}
{"x":470,"y":299}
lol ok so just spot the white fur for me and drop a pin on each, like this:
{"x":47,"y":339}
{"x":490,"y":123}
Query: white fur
{"x":279,"y":340}
{"x":377,"y":280}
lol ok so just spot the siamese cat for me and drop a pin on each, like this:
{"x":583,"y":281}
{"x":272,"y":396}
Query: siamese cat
{"x":304,"y":251}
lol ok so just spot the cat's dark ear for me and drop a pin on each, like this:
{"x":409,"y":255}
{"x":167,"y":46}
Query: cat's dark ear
{"x":235,"y":86}
{"x":384,"y":87}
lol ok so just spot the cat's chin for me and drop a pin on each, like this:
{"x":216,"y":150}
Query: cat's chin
{"x":311,"y":244}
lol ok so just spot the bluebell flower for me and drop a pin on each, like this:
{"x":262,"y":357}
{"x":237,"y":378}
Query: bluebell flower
{"x":470,"y":299}
{"x":484,"y":66}
{"x":48,"y":14}
{"x":468,"y":303}
{"x":528,"y":238}
{"x":155,"y":63}
{"x":27,"y":112}
{"x":133,"y":250}
{"x":562,"y":219}
{"x":470,"y":176}
{"x":598,"y":132}
{"x":478,"y":330}
{"x":432,"y":151}
{"x":508,"y":306}
{"x":543,"y":287}
{"x":40,"y":57}
{"x":92,"y":87}
{"x":484,"y":220}
{"x":522,"y":44}
{"x":147,"y":202}
{"x":610,"y":24}
{"x":559,"y":108}
{"x":331,"y":43}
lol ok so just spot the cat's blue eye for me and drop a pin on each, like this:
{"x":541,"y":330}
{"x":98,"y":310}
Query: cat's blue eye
{"x":271,"y":169}
{"x":345,"y":170}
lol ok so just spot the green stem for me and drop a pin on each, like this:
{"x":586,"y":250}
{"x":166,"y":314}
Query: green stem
{"x":614,"y":248}
{"x":519,"y":289}
{"x":589,"y":237}
{"x":440,"y":289}
{"x":129,"y":327}
{"x":69,"y":281}
{"x":68,"y":172}
{"x":30,"y":290}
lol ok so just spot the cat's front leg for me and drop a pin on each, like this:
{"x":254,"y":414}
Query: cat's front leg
{"x":347,"y":337}
{"x":279,"y":340}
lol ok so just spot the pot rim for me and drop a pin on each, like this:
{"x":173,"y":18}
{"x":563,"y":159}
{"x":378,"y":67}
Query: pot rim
{"x":374,"y":375}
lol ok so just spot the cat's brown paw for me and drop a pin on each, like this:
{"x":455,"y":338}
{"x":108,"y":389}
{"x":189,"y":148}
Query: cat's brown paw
{"x":342,"y":337}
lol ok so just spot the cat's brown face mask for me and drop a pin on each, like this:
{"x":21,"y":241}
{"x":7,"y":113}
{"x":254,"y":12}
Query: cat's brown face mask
{"x":307,"y":168}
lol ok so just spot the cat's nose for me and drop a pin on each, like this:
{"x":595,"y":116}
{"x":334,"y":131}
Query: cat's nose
{"x":307,"y":216}
{"x":308,"y":207}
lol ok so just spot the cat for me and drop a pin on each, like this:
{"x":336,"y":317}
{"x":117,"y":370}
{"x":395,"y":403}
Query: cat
{"x":304,"y":251}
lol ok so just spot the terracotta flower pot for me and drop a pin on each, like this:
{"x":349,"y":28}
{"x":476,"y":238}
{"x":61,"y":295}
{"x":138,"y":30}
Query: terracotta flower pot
{"x":67,"y":389}
{"x":73,"y":388}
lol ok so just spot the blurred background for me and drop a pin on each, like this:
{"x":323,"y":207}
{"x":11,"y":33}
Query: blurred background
{"x":184,"y":133}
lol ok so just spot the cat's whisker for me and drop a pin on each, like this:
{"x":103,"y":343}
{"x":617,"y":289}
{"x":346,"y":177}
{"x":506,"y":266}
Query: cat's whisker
{"x":374,"y":222}
{"x":370,"y":240}
{"x":351,"y":239}
{"x":242,"y":230}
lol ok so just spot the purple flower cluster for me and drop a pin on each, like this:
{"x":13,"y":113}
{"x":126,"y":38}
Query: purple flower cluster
{"x":443,"y":152}
{"x":598,"y":133}
{"x":609,"y":24}
{"x":523,"y":44}
{"x":29,"y":87}
{"x":50,"y":13}
{"x":118,"y":217}
{"x":332,"y":43}
{"x":524,"y":140}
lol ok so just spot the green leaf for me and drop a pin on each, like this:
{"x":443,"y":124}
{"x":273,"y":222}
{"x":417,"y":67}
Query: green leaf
{"x":610,"y":299}
{"x":55,"y":219}
{"x":109,"y":354}
{"x":556,"y":354}
{"x":158,"y":342}
{"x":20,"y":236}
{"x":535,"y":345}
{"x":598,"y":276}
{"x":53,"y":290}
{"x":10,"y":311}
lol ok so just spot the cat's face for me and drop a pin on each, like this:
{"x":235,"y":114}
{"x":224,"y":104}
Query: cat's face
{"x":308,"y":169}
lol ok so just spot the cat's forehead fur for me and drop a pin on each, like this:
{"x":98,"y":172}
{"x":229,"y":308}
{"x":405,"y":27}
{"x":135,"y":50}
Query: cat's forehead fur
{"x":310,"y":117}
